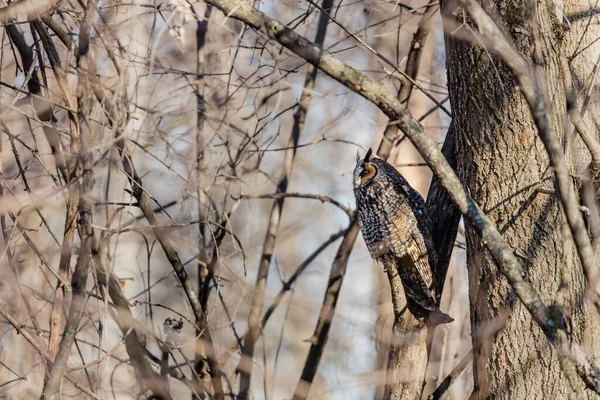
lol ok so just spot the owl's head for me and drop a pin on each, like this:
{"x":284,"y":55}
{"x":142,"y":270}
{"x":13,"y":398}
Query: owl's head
{"x":367,"y":170}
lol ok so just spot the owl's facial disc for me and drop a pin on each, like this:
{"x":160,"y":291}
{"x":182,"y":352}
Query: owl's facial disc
{"x":367,"y":173}
{"x":365,"y":170}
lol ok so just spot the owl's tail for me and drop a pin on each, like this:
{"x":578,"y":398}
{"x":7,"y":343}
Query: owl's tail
{"x":437,"y":317}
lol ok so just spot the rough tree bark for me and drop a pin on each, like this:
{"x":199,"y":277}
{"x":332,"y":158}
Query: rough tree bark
{"x":504,"y":166}
{"x":583,"y":57}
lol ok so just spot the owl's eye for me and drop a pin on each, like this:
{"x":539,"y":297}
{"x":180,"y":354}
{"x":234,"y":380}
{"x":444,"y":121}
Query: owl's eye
{"x":367,"y":173}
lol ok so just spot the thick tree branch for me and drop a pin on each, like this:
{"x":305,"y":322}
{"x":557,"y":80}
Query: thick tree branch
{"x":407,"y":360}
{"x":413,"y":64}
{"x":206,"y":265}
{"x":413,"y":61}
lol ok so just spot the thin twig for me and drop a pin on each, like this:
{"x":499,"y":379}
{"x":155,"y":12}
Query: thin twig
{"x":321,"y":198}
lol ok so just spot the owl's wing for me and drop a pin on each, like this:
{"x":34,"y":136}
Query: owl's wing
{"x":415,"y":288}
{"x":412,"y":243}
{"x":416,"y":285}
{"x":417,"y":251}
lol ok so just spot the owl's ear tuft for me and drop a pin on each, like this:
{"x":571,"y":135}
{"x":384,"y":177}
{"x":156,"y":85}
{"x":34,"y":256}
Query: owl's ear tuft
{"x":368,"y":155}
{"x":357,"y":156}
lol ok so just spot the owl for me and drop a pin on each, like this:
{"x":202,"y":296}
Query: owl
{"x":396,"y":228}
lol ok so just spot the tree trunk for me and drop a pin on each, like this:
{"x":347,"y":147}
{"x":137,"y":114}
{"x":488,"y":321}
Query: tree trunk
{"x":582,"y":50}
{"x":504,"y":166}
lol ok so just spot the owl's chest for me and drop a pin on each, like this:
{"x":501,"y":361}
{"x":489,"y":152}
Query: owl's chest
{"x":386,"y":223}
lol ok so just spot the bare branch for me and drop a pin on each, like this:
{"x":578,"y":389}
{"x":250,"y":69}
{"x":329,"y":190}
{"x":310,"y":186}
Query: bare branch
{"x":413,"y":62}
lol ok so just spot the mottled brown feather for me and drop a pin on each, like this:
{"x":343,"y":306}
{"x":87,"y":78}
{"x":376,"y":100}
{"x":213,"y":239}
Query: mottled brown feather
{"x":417,"y":251}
